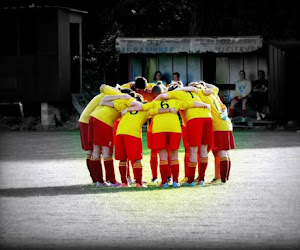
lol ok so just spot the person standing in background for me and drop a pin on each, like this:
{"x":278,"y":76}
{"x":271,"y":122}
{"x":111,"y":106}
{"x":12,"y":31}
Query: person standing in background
{"x":157,"y":78}
{"x":242,"y":89}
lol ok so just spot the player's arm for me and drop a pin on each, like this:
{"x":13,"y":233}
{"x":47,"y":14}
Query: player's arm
{"x":109,"y":98}
{"x":201,"y":105}
{"x":133,"y":108}
{"x":164,"y":96}
{"x":108,"y":104}
{"x":108,"y":90}
{"x":153,"y":112}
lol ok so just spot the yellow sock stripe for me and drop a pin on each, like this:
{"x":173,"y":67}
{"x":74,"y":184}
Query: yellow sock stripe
{"x":174,"y":162}
{"x":192,"y":164}
{"x":164,"y":162}
{"x":89,"y":156}
{"x":223,"y":158}
{"x":231,"y":107}
{"x":122,"y":163}
{"x":244,"y":108}
{"x":108,"y":159}
{"x":137,"y":165}
{"x":204,"y":160}
{"x":95,"y":159}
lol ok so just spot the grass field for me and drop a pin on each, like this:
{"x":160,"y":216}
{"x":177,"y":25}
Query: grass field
{"x":47,"y":202}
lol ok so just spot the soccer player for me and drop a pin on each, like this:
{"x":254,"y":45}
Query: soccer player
{"x":198,"y":119}
{"x":94,"y":169}
{"x":101,"y":130}
{"x":166,"y":133}
{"x":223,"y":136}
{"x":129,"y":140}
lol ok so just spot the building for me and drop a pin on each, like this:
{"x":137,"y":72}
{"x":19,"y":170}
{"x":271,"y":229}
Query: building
{"x":40,"y":57}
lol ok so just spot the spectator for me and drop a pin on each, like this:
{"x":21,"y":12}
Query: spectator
{"x":259,"y":95}
{"x":176,"y":78}
{"x":242,"y":89}
{"x":157,"y":78}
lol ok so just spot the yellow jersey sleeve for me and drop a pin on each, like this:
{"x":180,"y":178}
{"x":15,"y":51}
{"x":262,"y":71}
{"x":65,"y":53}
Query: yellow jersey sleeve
{"x":121,"y":104}
{"x":148,"y":106}
{"x":92,"y":105}
{"x":110,"y":91}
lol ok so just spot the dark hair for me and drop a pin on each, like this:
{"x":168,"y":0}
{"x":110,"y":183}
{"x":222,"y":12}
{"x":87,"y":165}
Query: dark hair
{"x":126,"y":91}
{"x":157,"y":90}
{"x":176,"y":73}
{"x":156,"y":72}
{"x":139,"y":97}
{"x":261,"y":71}
{"x":140,"y":83}
{"x":242,"y":71}
{"x":172,"y":87}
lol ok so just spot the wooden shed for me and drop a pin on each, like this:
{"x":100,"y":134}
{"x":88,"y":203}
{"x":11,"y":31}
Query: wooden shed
{"x":40,"y":54}
{"x":216,"y":60}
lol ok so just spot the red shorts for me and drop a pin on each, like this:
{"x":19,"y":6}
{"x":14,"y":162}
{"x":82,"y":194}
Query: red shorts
{"x":185,"y":138}
{"x":115,"y":129}
{"x":200,"y":132}
{"x":84,"y":135}
{"x":149,"y":140}
{"x":166,"y":140}
{"x":100,"y":133}
{"x":223,"y":140}
{"x":128,"y":147}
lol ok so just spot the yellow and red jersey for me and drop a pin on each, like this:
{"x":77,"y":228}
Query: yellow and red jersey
{"x":216,"y":109}
{"x":167,"y":122}
{"x":206,"y":113}
{"x":132,"y":122}
{"x":190,"y":113}
{"x":92,"y":105}
{"x":109,"y":115}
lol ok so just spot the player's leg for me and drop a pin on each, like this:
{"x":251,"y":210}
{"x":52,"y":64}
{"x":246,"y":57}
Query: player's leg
{"x":120,"y":154}
{"x":164,"y":166}
{"x":109,"y":166}
{"x":193,"y":159}
{"x":174,"y":143}
{"x":224,"y":164}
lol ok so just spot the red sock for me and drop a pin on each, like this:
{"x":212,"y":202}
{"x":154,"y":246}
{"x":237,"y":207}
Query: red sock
{"x":223,"y":168}
{"x":137,"y":169}
{"x":231,"y":112}
{"x":191,"y":171}
{"x":153,"y":164}
{"x":202,"y":167}
{"x":88,"y":162}
{"x":228,"y":170}
{"x":163,"y":167}
{"x":109,"y":169}
{"x":175,"y":170}
{"x":186,"y":162}
{"x":96,"y":170}
{"x":122,"y":169}
{"x":244,"y":112}
{"x":169,"y":164}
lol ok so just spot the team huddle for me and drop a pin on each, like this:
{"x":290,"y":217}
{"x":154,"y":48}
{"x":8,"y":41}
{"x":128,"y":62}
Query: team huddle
{"x":113,"y":121}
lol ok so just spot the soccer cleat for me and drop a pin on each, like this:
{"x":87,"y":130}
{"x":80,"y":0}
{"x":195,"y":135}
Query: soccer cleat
{"x":186,"y":184}
{"x":166,"y":185}
{"x":117,"y":184}
{"x":258,"y":116}
{"x":124,"y":185}
{"x":129,"y":181}
{"x":141,"y":185}
{"x":184,"y":180}
{"x":102,"y":184}
{"x":216,"y":182}
{"x":169,"y":179}
{"x":201,"y":183}
{"x":154,"y":180}
{"x":176,"y":185}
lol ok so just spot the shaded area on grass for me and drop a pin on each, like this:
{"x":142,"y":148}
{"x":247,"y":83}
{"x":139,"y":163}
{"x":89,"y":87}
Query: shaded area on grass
{"x":79,"y":190}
